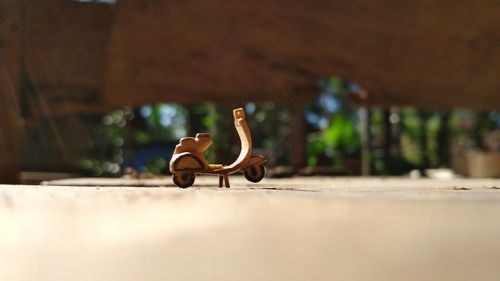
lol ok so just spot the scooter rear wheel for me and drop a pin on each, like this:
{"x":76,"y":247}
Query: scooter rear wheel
{"x":184,"y":179}
{"x":255,"y":173}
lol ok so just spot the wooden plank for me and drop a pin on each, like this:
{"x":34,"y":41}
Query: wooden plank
{"x":293,"y":229}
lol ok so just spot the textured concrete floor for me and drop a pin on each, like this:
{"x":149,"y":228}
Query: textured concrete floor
{"x":281,"y":229}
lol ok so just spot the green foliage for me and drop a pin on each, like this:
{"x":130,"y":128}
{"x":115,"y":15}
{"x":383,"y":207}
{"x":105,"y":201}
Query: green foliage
{"x":332,"y":132}
{"x":336,"y":136}
{"x":475,"y":130}
{"x":125,"y":127}
{"x":270,"y":127}
{"x":339,"y":138}
{"x":411,"y":135}
{"x":163,"y":122}
{"x":341,"y":134}
{"x":157,"y":166}
{"x":219,"y":128}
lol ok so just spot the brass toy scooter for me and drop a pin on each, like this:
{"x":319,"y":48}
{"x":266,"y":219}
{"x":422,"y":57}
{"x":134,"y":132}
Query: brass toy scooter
{"x":188,"y":158}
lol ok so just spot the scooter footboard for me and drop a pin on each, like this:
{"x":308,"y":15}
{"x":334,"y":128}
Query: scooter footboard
{"x":254,"y":161}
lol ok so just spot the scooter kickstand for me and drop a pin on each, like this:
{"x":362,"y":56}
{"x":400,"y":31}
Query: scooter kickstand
{"x":224,"y":179}
{"x":221,"y":180}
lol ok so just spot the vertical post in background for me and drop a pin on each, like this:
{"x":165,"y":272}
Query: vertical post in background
{"x":424,"y":118}
{"x":387,"y":136}
{"x":444,"y":140}
{"x":10,"y":85}
{"x":364,"y":118}
{"x":298,"y":141}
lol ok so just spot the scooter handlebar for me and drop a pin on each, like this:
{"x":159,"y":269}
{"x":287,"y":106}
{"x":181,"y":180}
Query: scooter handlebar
{"x":239,"y":114}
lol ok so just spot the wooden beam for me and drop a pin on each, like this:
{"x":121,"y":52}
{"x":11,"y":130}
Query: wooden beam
{"x":10,"y":74}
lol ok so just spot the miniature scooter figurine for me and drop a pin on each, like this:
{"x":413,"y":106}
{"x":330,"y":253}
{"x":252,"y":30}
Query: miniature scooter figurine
{"x":188,"y":158}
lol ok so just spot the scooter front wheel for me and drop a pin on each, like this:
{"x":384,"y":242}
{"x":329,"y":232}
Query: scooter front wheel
{"x":183,"y":179}
{"x":255,"y":173}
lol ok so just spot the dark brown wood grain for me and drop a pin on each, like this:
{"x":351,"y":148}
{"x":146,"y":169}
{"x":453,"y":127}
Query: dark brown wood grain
{"x":402,"y":52}
{"x":65,"y":56}
{"x":93,"y":57}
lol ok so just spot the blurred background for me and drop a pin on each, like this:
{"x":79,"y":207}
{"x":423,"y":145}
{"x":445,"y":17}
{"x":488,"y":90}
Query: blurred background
{"x":89,"y":88}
